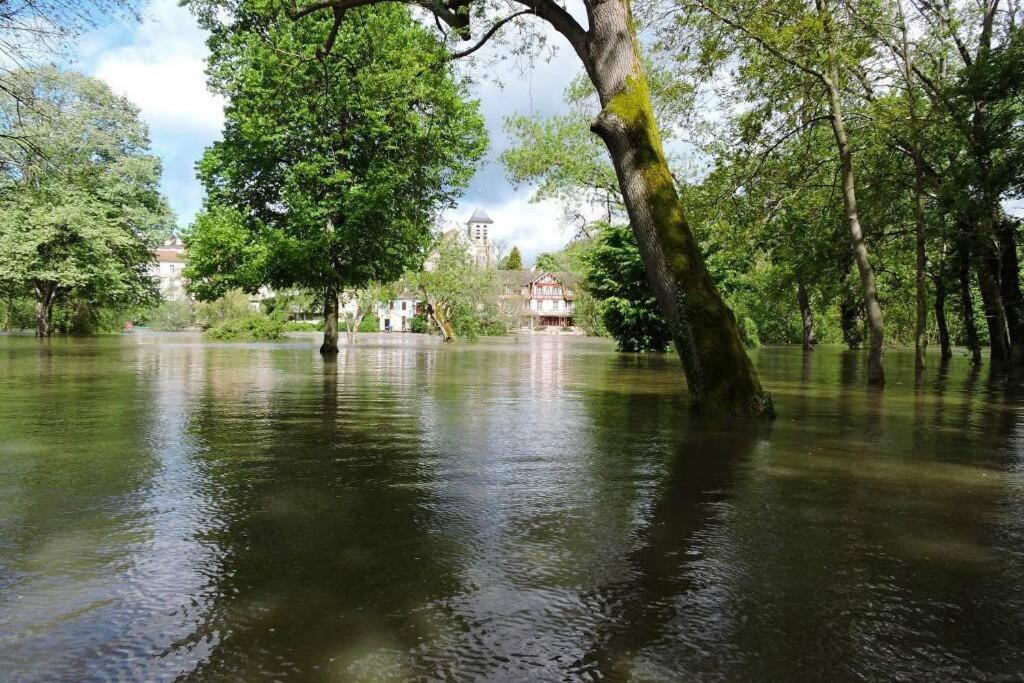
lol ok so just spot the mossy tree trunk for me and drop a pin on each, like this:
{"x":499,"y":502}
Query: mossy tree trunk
{"x":721,"y":378}
{"x":330,"y":345}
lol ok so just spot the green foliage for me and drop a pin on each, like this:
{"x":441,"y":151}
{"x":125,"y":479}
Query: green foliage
{"x":234,"y":305}
{"x":618,"y":280}
{"x":547,"y":261}
{"x":586,"y":315}
{"x":369,"y":323}
{"x":18,"y":313}
{"x":251,"y":327}
{"x":222,"y":254}
{"x":80,"y":207}
{"x":304,"y":326}
{"x":172,"y":316}
{"x":514,"y":260}
{"x":418,"y":324}
{"x":460,"y":293}
{"x":333,"y":166}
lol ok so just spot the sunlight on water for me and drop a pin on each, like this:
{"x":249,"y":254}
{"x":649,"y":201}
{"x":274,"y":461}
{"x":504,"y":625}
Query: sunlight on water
{"x":529,"y":509}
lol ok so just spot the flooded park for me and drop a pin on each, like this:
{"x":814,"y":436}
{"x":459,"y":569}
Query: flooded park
{"x":534,"y":508}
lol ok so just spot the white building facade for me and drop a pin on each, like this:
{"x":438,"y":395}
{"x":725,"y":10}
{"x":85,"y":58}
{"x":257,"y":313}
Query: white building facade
{"x":170,"y":262}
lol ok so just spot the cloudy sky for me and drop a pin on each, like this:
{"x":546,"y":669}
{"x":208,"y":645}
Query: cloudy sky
{"x":159,"y":63}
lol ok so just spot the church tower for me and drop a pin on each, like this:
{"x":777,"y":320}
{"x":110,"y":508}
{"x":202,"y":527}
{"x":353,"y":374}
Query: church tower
{"x":480,"y":246}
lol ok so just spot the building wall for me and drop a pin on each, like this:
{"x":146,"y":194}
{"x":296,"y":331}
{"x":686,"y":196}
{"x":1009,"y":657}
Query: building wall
{"x":397,"y":315}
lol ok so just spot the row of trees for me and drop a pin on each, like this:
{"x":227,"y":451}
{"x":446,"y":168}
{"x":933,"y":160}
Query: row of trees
{"x":859,"y":157}
{"x":720,"y":376}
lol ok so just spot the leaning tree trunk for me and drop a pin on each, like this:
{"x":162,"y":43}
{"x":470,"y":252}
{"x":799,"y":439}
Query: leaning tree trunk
{"x":967,"y":302}
{"x":444,"y":325}
{"x":720,"y":375}
{"x":806,"y":316}
{"x":45,"y":294}
{"x":872,"y":307}
{"x":940,"y":319}
{"x":330,"y":345}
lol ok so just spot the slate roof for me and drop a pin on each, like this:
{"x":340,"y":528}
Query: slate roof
{"x":480,"y":216}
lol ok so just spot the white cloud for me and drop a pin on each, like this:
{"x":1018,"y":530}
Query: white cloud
{"x":534,"y":227}
{"x":161,"y":70}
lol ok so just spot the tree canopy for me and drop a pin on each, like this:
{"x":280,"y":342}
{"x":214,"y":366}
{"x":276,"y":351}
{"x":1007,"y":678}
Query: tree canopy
{"x":80,"y":208}
{"x":334,"y":165}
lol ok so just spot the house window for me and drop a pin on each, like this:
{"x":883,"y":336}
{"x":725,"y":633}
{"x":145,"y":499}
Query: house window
{"x":403,"y":308}
{"x":391,"y":305}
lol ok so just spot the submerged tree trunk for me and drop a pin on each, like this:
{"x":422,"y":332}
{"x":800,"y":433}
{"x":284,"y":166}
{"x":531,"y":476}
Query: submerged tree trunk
{"x":940,"y":319}
{"x":921,"y":266}
{"x":806,"y":317}
{"x":872,"y":307}
{"x":352,"y":324}
{"x":1009,"y":286}
{"x":330,"y":345}
{"x":986,"y":259}
{"x":720,"y":376}
{"x":45,"y":293}
{"x":967,"y":302}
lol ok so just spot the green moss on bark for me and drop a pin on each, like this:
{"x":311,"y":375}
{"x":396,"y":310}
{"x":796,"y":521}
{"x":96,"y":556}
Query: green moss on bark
{"x":721,"y":377}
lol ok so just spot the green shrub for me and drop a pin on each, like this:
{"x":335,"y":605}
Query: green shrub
{"x":369,"y":323}
{"x":252,"y":327}
{"x":304,"y":326}
{"x":171,"y":315}
{"x":18,"y":313}
{"x":233,"y":305}
{"x":418,"y":324}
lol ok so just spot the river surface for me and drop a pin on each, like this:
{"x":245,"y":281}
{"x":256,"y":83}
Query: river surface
{"x":516,"y":509}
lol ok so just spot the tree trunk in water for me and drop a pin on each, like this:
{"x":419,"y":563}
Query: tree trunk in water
{"x":721,"y":378}
{"x":986,"y":259}
{"x":872,"y":307}
{"x":444,"y":326}
{"x":1009,"y":286}
{"x":351,"y":327}
{"x":806,"y":316}
{"x":921,"y":278}
{"x":940,"y":320}
{"x":330,"y":345}
{"x":44,"y":310}
{"x":967,"y":302}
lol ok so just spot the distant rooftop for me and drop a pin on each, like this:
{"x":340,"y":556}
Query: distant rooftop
{"x":480,"y":216}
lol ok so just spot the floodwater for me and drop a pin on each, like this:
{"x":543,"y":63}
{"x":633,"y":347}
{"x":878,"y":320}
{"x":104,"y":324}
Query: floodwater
{"x":516,"y":509}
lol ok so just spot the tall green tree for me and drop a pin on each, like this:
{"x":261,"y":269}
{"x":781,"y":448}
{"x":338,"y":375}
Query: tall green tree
{"x":721,"y":377}
{"x":795,"y":61}
{"x":514,"y":260}
{"x":616,"y":279}
{"x":457,"y":293}
{"x":80,"y":208}
{"x":339,"y":152}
